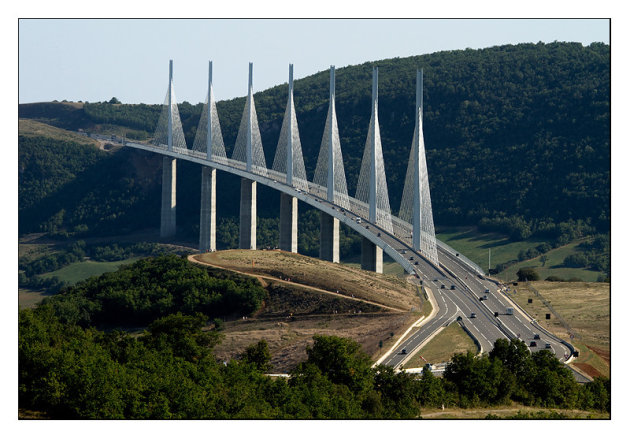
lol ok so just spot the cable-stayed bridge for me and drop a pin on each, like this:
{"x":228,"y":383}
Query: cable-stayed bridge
{"x":369,"y":207}
{"x":408,"y":238}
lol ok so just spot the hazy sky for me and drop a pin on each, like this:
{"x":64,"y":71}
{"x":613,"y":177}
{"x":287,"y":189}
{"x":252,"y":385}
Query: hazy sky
{"x":93,"y":60}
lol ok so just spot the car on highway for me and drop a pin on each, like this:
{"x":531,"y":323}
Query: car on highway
{"x":442,"y":286}
{"x":533,"y":343}
{"x":473,"y":315}
{"x":536,"y":336}
{"x":452,"y":287}
{"x":547,"y":345}
{"x":404,"y":352}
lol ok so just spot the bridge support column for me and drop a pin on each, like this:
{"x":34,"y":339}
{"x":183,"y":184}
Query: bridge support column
{"x":288,"y":223}
{"x":328,"y":238}
{"x":169,"y":197}
{"x":247,"y":234}
{"x":208,"y":213}
{"x":371,"y":256}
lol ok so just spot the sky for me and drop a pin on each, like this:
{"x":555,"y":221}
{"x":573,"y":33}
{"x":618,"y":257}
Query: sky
{"x":97,"y":59}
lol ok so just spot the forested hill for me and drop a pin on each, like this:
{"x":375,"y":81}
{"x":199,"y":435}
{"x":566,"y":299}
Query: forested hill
{"x":517,"y":136}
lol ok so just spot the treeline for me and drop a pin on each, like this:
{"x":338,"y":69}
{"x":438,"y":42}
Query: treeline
{"x":593,"y":254}
{"x":154,"y":287}
{"x":169,"y":372}
{"x":516,"y":136}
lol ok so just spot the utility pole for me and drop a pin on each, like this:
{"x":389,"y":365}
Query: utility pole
{"x":488,"y":262}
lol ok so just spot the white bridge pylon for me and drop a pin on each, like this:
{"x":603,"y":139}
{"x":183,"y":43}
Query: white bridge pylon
{"x":169,"y":133}
{"x":208,"y":138}
{"x":372,"y":186}
{"x":414,"y":224}
{"x":415,"y":205}
{"x":249,"y":148}
{"x":289,"y":160}
{"x":329,"y":172}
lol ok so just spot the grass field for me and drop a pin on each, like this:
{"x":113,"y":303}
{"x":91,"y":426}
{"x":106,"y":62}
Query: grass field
{"x":79,"y":271}
{"x":585,"y":306}
{"x":72,"y":274}
{"x":475,"y":245}
{"x":28,"y":127}
{"x":451,"y":340}
{"x":553,"y":266}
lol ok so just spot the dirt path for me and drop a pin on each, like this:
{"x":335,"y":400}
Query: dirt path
{"x":263,"y":279}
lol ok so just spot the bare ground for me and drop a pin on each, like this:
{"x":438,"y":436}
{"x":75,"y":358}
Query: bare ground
{"x":310,"y":297}
{"x":288,"y":337}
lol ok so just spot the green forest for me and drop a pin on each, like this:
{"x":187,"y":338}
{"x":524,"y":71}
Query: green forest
{"x":517,"y":140}
{"x":77,"y":363}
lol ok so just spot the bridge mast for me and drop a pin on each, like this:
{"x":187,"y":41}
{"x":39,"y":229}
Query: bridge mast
{"x":373,"y":189}
{"x":290,"y":130}
{"x":170,"y":105}
{"x":417,"y":193}
{"x":209,"y":134}
{"x":250,"y":96}
{"x":330,"y":194}
{"x":208,"y":209}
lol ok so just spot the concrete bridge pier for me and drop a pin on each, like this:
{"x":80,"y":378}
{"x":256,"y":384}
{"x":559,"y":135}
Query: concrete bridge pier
{"x":371,"y":256}
{"x":208,"y":213}
{"x":328,"y":238}
{"x":288,"y":223}
{"x":247,"y":232}
{"x":169,"y":197}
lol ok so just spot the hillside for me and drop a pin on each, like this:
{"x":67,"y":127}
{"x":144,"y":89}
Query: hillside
{"x":517,"y":140}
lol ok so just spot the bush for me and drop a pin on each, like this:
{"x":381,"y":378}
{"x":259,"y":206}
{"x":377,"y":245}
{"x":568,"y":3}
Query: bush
{"x":554,"y":279}
{"x":527,"y":274}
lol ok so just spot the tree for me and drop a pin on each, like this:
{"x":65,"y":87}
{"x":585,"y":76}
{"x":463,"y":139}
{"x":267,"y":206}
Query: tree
{"x":114,"y":100}
{"x":398,"y":393}
{"x":183,"y":335}
{"x":341,"y":360}
{"x":527,"y":274}
{"x":543,"y":260}
{"x":258,"y":355}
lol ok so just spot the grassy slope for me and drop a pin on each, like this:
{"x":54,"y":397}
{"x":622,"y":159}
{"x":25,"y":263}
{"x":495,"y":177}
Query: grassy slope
{"x":475,"y":245}
{"x":79,"y":271}
{"x":29,"y":127}
{"x":385,"y":289}
{"x":443,"y":346}
{"x":553,"y":266}
{"x":585,"y":306}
